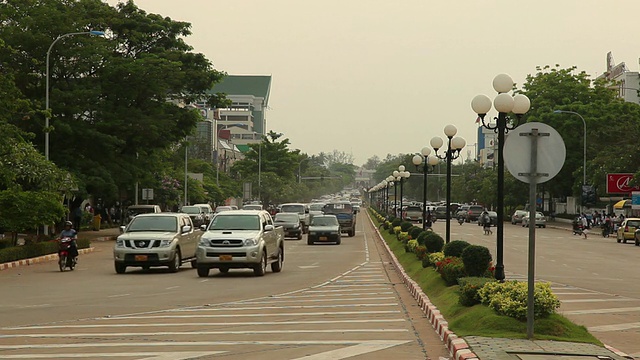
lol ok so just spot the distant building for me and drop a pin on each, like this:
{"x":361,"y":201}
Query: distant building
{"x":487,"y":145}
{"x":626,"y":82}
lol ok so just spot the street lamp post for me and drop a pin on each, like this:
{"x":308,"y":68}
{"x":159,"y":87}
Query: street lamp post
{"x":396,"y":181}
{"x":389,"y":180}
{"x":454,"y":146}
{"x":403,"y":175}
{"x":504,"y":104}
{"x":428,"y":164}
{"x":584,"y":143}
{"x":46,"y":119}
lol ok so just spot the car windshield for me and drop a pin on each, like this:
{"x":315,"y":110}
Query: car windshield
{"x":286,"y":217}
{"x":338,"y":208}
{"x":153,"y":223}
{"x":191,"y":210}
{"x":235,"y":222}
{"x":204,"y":209}
{"x":324,"y":221}
{"x":293,"y":209}
{"x":252,"y":207}
{"x":316,"y":207}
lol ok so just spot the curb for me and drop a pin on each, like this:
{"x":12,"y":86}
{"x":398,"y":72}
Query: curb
{"x":457,"y":347}
{"x":39,"y":259}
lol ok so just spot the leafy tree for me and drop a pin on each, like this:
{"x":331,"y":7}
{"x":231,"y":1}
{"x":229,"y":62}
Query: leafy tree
{"x":116,"y":102}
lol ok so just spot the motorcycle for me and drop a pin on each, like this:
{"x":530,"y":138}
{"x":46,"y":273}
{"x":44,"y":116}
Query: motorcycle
{"x":65,"y":260}
{"x":460,"y":220}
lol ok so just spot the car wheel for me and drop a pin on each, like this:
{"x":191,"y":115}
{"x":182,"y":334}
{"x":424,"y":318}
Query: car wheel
{"x":203,"y":271}
{"x":174,"y":266}
{"x":194,"y":264}
{"x":120,"y":268}
{"x":617,"y":238}
{"x":261,"y":268}
{"x":277,"y":266}
{"x":62,"y":262}
{"x":224,"y":270}
{"x":300,"y":235}
{"x":624,"y":240}
{"x":637,"y":242}
{"x":339,"y":241}
{"x":352,"y":233}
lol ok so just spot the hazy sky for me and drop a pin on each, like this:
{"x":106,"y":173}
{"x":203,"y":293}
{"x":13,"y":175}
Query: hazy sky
{"x":373,"y":77}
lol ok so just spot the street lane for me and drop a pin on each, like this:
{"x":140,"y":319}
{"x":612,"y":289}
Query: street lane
{"x":594,"y":278}
{"x":330,"y":302}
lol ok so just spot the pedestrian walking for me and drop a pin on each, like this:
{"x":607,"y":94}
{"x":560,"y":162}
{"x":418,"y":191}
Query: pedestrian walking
{"x":486,"y":223}
{"x":585,"y":225}
{"x":77,"y":218}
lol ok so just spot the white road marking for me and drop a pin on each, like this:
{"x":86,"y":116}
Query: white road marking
{"x":615,"y":327}
{"x":182,"y":355}
{"x":346,"y":290}
{"x":279,"y":301}
{"x":287,"y":307}
{"x":33,"y":306}
{"x":119,"y":295}
{"x":346,"y":280}
{"x":593,"y":300}
{"x":332,"y":295}
{"x":601,"y":311}
{"x":222,"y":332}
{"x":172,"y":287}
{"x":352,"y":351}
{"x":253,"y":323}
{"x":308,"y":267}
{"x":354,"y":285}
{"x":334,"y":313}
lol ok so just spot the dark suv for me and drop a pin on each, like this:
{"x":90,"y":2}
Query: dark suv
{"x":474,"y":212}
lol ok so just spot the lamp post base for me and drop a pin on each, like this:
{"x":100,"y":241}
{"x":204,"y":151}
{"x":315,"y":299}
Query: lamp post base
{"x":499,"y":273}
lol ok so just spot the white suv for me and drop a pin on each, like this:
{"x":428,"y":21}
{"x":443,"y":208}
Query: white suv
{"x":303,"y":213}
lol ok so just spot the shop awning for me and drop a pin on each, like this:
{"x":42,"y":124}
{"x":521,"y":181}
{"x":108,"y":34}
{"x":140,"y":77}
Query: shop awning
{"x":622,"y":203}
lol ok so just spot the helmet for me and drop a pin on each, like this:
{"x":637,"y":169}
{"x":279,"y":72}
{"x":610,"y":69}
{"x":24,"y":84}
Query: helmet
{"x":68,"y":223}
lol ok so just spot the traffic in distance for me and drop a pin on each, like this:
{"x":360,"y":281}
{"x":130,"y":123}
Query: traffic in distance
{"x":226,"y":237}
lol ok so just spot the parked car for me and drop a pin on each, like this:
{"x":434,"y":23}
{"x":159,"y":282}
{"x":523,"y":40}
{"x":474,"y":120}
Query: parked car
{"x":541,"y":220}
{"x":440,"y":212}
{"x":627,"y":229}
{"x":196,"y":214}
{"x":222,"y":208}
{"x":134,"y":210}
{"x":413,"y":213}
{"x":290,"y":224}
{"x":159,"y":239}
{"x":241,"y":239}
{"x":493,"y":216}
{"x":324,"y":228}
{"x":473,"y":212}
{"x":516,"y":218}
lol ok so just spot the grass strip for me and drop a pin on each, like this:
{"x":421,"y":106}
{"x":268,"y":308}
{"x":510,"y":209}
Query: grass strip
{"x":480,"y":320}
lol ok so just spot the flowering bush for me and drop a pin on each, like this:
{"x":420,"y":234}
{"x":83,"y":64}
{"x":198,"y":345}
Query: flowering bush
{"x":412,"y":244}
{"x":434,"y":258}
{"x":510,"y":299}
{"x":421,"y":252}
{"x":451,"y":269}
{"x":469,"y":287}
{"x":404,"y":237}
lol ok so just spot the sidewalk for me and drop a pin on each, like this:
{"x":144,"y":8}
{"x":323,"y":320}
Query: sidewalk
{"x":485,"y":348}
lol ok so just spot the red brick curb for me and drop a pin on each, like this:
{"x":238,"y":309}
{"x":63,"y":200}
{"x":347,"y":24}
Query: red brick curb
{"x":458,"y":348}
{"x":36,"y":260}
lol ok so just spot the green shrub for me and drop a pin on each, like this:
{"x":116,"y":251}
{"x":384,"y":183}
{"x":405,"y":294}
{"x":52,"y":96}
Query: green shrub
{"x":423,"y":235}
{"x":434,"y":258}
{"x":397,"y":230}
{"x":403,"y":236}
{"x":476,"y":259}
{"x":412,"y":245}
{"x":5,"y":243}
{"x":14,"y":253}
{"x":392,"y":230}
{"x":396,"y":222}
{"x":426,"y":262}
{"x":455,"y":248}
{"x":469,"y":287}
{"x":420,"y":251}
{"x":510,"y":299}
{"x":415,"y":232}
{"x":433,"y":242}
{"x":405,"y":225}
{"x":451,"y":269}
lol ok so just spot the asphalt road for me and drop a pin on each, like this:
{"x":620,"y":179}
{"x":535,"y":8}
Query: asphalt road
{"x":329,"y":302}
{"x":597,"y":279}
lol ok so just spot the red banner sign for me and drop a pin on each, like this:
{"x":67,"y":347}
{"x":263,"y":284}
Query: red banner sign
{"x":619,"y":184}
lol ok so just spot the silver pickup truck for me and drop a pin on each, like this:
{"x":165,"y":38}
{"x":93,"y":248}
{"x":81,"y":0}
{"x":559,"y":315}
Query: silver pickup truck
{"x":162,"y":239}
{"x":241,"y":239}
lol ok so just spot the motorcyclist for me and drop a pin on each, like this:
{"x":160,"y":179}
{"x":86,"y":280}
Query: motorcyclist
{"x":69,"y":232}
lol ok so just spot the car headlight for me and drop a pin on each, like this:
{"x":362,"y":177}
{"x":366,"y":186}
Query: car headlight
{"x":250,"y":242}
{"x":119,"y":243}
{"x":296,"y":226}
{"x":204,"y":242}
{"x":166,"y":243}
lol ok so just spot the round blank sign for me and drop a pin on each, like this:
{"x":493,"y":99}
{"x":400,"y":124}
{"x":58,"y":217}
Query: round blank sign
{"x":551,"y":152}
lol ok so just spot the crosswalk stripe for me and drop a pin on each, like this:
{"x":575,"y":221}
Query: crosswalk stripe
{"x":601,"y":311}
{"x":156,"y":355}
{"x":306,"y":322}
{"x":593,"y":300}
{"x":332,"y":295}
{"x":346,"y":290}
{"x":333,"y":313}
{"x":227,"y":308}
{"x":223,"y":332}
{"x":615,"y":327}
{"x":279,"y":301}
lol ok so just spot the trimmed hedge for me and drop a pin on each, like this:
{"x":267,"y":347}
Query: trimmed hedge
{"x":476,"y":259}
{"x":415,"y":232}
{"x":14,"y":253}
{"x":433,"y":242}
{"x":469,"y":287}
{"x":455,"y":248}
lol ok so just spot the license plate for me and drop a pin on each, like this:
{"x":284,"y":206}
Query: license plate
{"x":141,"y":258}
{"x":323,"y":238}
{"x":226,"y":257}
